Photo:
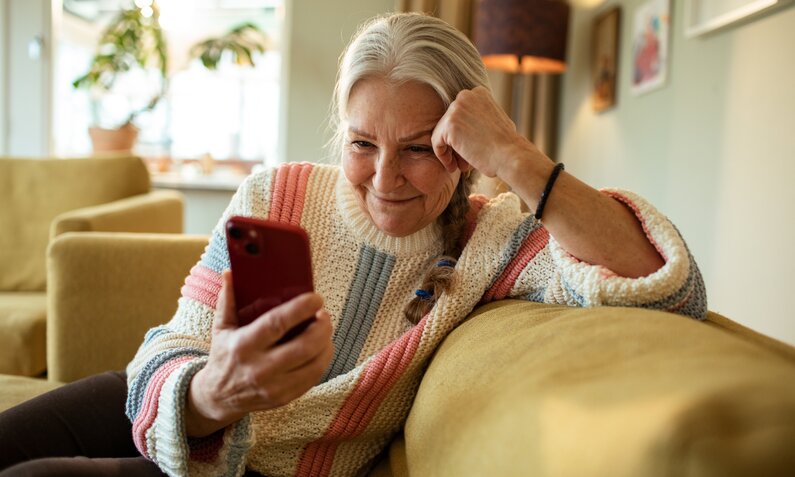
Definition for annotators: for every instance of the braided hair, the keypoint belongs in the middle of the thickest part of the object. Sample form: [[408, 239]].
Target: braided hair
[[439, 276]]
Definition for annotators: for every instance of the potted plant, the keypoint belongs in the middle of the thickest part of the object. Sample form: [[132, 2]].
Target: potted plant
[[241, 41], [238, 45], [134, 39]]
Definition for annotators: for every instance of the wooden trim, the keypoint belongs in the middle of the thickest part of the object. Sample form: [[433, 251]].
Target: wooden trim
[[423, 6], [544, 133], [457, 13]]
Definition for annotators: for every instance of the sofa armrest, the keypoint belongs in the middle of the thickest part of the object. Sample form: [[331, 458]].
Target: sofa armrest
[[530, 389], [158, 211], [105, 290]]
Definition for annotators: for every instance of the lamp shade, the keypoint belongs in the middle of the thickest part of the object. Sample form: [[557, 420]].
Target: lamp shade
[[527, 36]]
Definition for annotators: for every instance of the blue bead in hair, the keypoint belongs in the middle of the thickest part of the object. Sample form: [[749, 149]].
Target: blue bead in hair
[[423, 294]]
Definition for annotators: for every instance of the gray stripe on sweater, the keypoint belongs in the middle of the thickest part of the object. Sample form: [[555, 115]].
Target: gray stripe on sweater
[[137, 388], [367, 289], [508, 254]]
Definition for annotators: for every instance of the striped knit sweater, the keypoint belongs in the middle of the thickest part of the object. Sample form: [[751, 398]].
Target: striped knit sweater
[[366, 278]]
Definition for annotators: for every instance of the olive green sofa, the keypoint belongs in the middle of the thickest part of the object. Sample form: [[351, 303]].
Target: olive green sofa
[[520, 389], [43, 198]]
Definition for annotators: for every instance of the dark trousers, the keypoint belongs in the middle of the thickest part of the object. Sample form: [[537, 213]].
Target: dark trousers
[[76, 430]]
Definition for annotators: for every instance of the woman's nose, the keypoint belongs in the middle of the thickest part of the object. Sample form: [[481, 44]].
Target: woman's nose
[[388, 175]]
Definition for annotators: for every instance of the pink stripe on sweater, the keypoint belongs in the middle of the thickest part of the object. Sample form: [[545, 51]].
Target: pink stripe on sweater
[[300, 194], [533, 244], [289, 190], [146, 416], [277, 190], [202, 285], [211, 276], [676, 306], [361, 405]]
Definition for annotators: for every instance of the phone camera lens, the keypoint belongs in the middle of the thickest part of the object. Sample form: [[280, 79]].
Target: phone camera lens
[[235, 233], [252, 248]]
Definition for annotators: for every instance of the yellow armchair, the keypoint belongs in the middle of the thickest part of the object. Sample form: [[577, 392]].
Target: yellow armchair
[[42, 198], [105, 291], [158, 211]]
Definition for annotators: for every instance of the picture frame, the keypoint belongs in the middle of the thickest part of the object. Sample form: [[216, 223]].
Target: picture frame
[[605, 58], [707, 16], [650, 46]]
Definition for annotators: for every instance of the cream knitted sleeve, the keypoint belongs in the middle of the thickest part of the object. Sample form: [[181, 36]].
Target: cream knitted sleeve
[[541, 270], [159, 376]]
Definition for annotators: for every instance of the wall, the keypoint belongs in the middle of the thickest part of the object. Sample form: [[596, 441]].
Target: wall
[[314, 36], [28, 90], [3, 73], [714, 149]]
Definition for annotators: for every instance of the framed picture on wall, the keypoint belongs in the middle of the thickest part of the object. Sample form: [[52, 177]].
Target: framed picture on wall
[[604, 62], [650, 31], [705, 16]]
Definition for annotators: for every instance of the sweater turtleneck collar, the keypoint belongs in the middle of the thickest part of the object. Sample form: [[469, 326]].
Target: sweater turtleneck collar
[[423, 240]]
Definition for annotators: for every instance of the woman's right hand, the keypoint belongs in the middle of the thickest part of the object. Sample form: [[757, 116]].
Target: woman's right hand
[[248, 371]]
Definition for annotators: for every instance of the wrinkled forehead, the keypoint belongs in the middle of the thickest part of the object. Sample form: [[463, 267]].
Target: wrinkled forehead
[[403, 106]]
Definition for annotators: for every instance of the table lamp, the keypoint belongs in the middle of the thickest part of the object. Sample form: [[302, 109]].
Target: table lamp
[[522, 36]]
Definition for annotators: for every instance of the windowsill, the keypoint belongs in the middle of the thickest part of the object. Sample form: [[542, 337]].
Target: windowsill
[[192, 174], [219, 182]]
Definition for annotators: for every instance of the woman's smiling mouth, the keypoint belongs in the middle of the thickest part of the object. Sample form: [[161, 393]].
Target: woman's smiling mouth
[[391, 201]]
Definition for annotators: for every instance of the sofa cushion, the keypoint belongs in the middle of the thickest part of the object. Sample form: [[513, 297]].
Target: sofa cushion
[[34, 191], [17, 389], [23, 325], [530, 389]]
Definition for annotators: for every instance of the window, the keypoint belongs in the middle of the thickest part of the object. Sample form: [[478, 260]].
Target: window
[[229, 113]]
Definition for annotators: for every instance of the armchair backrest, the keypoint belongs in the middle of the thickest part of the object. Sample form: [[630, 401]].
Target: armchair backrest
[[34, 191]]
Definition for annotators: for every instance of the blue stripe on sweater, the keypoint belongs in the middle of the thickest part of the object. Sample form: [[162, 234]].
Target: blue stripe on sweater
[[137, 389], [508, 254], [536, 295], [579, 299], [696, 304], [366, 291], [215, 256], [238, 449], [155, 332]]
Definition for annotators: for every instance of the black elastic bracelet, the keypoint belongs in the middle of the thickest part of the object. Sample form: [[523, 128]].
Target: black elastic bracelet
[[547, 189]]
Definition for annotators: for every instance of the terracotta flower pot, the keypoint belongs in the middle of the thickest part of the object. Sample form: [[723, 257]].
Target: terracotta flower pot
[[107, 140]]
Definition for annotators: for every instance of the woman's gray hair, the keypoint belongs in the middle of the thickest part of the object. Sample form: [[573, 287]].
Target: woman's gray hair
[[404, 47], [407, 47]]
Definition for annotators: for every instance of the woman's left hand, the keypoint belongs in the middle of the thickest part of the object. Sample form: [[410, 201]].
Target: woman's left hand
[[476, 132], [595, 228]]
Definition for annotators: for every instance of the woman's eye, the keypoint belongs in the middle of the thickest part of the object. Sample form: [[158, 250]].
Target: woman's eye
[[416, 149], [362, 144]]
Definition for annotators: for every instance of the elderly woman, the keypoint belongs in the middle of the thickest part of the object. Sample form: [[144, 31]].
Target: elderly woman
[[402, 254]]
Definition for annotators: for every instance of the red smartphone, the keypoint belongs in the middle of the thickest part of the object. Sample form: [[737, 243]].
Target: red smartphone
[[271, 264]]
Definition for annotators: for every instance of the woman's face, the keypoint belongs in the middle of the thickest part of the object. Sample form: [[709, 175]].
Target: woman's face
[[388, 158]]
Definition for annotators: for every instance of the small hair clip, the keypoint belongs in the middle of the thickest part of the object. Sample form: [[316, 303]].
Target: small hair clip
[[444, 263], [424, 294]]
